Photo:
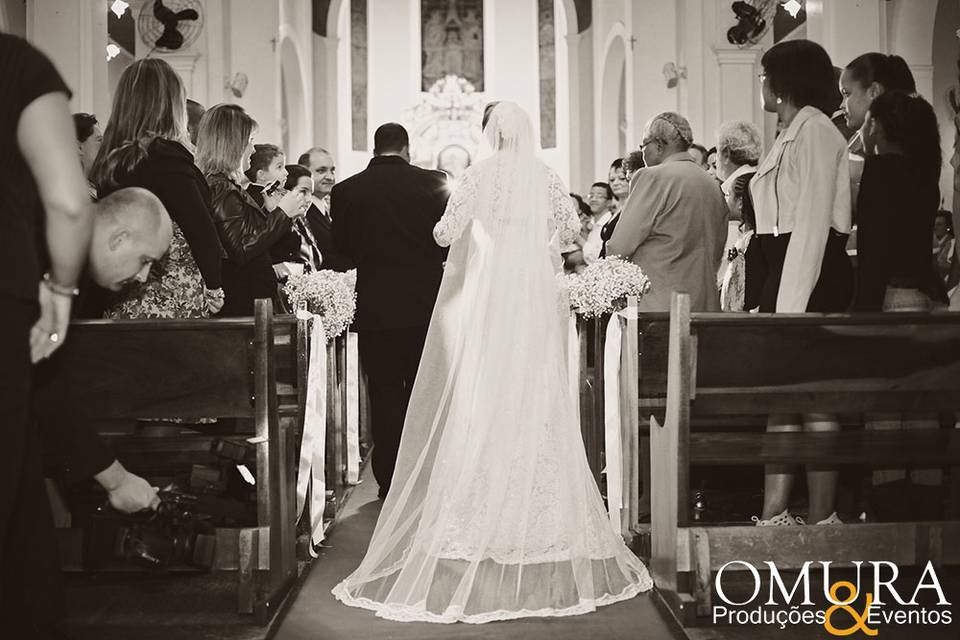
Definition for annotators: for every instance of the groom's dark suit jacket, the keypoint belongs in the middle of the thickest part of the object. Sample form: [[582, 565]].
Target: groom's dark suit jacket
[[383, 221]]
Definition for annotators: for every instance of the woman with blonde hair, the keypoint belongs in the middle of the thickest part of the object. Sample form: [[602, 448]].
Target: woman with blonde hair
[[146, 145], [247, 231]]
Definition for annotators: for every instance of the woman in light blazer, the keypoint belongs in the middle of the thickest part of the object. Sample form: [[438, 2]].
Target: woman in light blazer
[[801, 193]]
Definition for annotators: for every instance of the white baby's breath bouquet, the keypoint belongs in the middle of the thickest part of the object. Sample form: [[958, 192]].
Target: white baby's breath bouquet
[[603, 287], [329, 294]]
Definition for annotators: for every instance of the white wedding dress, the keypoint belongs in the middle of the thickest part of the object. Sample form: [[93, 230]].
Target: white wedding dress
[[493, 513]]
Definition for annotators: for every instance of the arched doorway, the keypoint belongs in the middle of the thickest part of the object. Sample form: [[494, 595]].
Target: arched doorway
[[613, 103], [295, 134]]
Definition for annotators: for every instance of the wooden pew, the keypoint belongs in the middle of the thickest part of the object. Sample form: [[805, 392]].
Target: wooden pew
[[734, 364], [247, 372]]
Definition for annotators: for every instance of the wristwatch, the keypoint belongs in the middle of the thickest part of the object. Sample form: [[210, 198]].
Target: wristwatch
[[59, 289]]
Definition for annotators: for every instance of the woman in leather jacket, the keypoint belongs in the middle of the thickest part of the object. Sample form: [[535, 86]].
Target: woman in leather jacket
[[247, 231]]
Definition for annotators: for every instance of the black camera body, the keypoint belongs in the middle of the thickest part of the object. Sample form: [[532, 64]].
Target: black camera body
[[750, 24], [174, 534]]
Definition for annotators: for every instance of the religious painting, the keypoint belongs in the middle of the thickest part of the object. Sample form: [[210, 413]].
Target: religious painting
[[358, 67], [452, 41], [548, 75]]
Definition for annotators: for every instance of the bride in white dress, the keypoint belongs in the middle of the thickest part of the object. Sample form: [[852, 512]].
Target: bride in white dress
[[493, 513]]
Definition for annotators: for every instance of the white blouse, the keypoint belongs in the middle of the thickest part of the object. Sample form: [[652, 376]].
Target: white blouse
[[802, 187]]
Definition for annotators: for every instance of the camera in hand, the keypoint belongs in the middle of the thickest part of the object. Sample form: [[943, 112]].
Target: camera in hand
[[272, 188], [175, 534]]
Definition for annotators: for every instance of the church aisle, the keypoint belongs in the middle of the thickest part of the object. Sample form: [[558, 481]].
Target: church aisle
[[315, 614]]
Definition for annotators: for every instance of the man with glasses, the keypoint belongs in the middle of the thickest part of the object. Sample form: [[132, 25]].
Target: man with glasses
[[674, 222]]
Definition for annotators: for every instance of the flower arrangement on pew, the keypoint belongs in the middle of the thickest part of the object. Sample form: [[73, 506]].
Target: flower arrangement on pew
[[604, 286], [329, 294]]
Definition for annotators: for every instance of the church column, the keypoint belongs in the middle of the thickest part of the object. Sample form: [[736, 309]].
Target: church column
[[74, 36], [326, 112], [739, 87], [580, 56]]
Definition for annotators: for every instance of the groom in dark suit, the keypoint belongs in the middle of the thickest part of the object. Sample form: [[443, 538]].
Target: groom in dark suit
[[383, 221]]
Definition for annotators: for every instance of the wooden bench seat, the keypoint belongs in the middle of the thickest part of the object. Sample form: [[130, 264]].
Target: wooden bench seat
[[250, 374], [923, 448], [715, 368]]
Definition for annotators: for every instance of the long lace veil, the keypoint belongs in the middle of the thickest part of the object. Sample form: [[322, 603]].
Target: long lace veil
[[481, 522]]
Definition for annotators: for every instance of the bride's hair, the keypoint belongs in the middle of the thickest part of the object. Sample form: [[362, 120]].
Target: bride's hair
[[487, 110]]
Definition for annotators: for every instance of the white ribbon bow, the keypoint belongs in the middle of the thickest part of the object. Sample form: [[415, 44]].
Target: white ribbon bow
[[311, 473], [611, 418]]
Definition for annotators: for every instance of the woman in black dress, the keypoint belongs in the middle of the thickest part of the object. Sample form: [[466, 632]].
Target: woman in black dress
[[146, 144], [897, 205], [45, 230], [898, 202]]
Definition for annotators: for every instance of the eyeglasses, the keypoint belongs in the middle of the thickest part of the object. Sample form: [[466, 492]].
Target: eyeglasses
[[648, 142]]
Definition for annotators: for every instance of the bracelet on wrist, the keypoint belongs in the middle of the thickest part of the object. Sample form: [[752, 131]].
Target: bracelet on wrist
[[59, 289]]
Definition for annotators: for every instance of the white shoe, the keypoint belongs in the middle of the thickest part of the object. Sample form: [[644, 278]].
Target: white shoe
[[780, 520], [831, 519]]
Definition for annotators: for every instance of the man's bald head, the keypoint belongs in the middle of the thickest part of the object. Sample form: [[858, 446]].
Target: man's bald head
[[132, 230]]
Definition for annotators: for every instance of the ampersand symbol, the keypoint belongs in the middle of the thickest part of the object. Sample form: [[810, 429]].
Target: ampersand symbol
[[859, 619]]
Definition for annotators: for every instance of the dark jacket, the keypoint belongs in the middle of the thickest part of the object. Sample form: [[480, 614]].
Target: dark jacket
[[322, 229], [287, 248], [73, 449], [169, 173], [247, 233], [383, 221], [896, 209]]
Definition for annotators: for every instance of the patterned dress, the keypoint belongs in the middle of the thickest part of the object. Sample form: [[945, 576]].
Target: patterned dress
[[733, 274], [174, 288]]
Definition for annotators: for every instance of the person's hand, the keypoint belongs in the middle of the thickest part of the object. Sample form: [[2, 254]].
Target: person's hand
[[50, 330], [292, 204], [284, 270], [126, 491], [271, 200], [214, 299]]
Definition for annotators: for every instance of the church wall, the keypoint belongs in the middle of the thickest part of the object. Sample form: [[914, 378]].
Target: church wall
[[847, 29], [394, 60], [295, 31], [655, 26], [512, 54], [348, 161], [253, 49], [74, 36], [560, 158], [581, 110]]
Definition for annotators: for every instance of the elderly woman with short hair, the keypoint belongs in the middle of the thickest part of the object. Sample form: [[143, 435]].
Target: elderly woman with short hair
[[738, 151]]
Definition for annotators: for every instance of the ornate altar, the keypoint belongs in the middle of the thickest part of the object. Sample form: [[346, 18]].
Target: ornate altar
[[445, 126]]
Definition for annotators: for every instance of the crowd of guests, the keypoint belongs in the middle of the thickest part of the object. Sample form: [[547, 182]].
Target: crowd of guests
[[857, 151], [243, 219], [166, 210]]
